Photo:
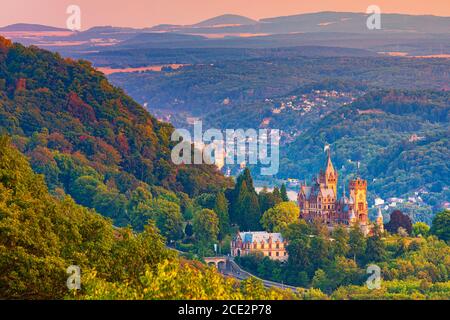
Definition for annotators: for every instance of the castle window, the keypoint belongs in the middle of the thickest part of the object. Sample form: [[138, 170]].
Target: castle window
[[270, 254], [278, 246], [278, 254], [255, 246]]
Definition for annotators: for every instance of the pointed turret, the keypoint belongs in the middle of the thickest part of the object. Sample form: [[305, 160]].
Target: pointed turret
[[331, 175], [352, 217], [379, 220]]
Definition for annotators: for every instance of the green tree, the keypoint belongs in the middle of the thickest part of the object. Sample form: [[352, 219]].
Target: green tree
[[283, 193], [420, 229], [320, 281], [247, 209], [267, 200], [441, 225], [221, 209], [189, 230], [168, 218], [279, 217], [206, 226], [244, 203], [341, 238], [357, 243], [375, 249], [343, 271], [319, 251]]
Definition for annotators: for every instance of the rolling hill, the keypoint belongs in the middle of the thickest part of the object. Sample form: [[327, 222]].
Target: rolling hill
[[225, 19], [88, 138]]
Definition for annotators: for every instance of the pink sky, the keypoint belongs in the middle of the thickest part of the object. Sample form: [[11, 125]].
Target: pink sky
[[145, 13]]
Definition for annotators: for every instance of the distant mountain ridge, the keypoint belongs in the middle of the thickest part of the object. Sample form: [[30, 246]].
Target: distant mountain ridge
[[415, 35], [326, 21], [319, 22], [29, 27], [225, 19]]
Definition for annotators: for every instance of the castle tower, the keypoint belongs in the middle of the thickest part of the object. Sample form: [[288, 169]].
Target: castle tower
[[379, 221], [358, 193], [331, 175]]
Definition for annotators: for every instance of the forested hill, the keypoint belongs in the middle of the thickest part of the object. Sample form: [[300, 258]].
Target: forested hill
[[401, 139], [87, 137]]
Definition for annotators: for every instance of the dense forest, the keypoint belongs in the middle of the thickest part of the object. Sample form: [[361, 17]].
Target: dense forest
[[41, 236], [88, 138]]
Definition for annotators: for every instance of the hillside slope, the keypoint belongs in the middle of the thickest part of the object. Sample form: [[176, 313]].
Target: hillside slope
[[41, 236], [83, 133]]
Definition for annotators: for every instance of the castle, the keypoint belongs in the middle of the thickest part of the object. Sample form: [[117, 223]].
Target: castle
[[320, 201]]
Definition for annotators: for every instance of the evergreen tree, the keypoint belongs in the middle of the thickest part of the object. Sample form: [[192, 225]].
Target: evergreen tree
[[267, 200], [277, 195], [244, 204], [283, 193], [189, 230], [221, 209]]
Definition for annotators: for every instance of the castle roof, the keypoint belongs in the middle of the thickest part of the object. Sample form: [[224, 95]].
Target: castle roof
[[260, 236], [306, 191], [330, 168]]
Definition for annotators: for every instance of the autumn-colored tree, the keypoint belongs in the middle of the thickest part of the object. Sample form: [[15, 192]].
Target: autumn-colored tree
[[399, 220]]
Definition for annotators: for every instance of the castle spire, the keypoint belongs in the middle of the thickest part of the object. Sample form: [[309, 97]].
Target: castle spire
[[330, 167], [379, 220], [343, 189], [330, 176], [358, 164]]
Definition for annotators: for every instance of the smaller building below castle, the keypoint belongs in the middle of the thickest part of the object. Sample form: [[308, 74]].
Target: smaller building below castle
[[271, 245]]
